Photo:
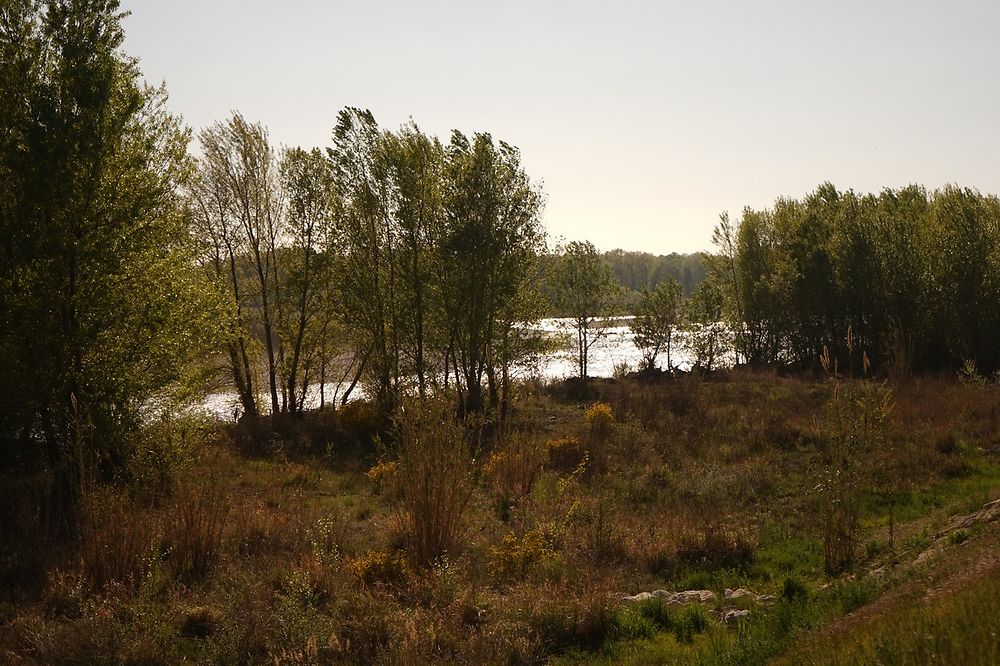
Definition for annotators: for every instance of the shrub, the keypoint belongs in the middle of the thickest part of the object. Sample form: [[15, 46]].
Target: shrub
[[168, 447], [794, 590], [195, 536], [436, 479], [116, 541], [858, 419], [64, 595], [599, 418], [200, 622], [379, 567], [384, 475], [361, 421], [297, 617], [561, 619], [516, 556], [565, 453], [716, 549], [513, 469]]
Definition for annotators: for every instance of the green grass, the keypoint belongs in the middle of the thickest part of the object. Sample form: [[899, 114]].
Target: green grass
[[960, 628]]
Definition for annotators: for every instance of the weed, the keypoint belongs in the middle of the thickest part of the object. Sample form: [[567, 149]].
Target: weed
[[437, 480], [194, 537], [565, 453], [599, 418]]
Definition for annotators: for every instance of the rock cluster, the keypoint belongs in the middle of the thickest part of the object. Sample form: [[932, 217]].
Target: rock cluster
[[685, 597], [696, 596]]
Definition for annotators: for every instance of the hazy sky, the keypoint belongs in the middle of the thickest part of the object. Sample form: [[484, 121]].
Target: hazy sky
[[643, 120]]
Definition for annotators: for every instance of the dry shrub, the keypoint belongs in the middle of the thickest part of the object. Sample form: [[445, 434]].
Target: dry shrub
[[116, 539], [515, 556], [435, 635], [513, 469], [560, 619], [436, 479], [716, 548], [200, 622], [64, 595], [368, 621], [262, 531], [379, 567], [565, 453], [29, 522], [384, 476], [194, 539]]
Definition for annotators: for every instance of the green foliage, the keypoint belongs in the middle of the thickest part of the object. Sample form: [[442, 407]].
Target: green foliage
[[708, 338], [914, 275], [657, 317], [584, 289], [642, 271], [439, 258], [103, 313]]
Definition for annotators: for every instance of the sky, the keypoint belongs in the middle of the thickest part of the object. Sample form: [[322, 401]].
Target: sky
[[643, 121]]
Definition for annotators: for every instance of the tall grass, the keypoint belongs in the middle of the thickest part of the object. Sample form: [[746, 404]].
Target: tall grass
[[436, 479], [196, 529]]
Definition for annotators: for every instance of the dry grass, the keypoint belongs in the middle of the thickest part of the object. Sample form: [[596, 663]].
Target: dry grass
[[437, 480], [265, 559]]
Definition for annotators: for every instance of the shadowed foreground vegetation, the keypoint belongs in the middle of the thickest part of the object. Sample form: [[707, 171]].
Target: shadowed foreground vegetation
[[454, 544]]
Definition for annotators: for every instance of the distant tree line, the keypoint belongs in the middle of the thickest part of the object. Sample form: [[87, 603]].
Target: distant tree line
[[905, 280], [637, 271]]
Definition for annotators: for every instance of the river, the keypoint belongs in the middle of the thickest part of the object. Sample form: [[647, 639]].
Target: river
[[614, 349]]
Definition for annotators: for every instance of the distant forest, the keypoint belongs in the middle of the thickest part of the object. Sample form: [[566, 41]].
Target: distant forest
[[637, 271]]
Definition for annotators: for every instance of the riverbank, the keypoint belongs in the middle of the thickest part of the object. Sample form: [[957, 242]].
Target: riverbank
[[296, 547]]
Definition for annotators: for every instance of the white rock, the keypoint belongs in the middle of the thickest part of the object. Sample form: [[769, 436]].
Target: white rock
[[738, 593], [735, 616], [694, 596]]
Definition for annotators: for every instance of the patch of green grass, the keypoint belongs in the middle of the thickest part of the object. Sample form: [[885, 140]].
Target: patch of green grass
[[961, 628], [963, 495]]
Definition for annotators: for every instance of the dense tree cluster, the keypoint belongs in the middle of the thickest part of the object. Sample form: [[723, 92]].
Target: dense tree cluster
[[418, 259], [907, 279], [101, 311]]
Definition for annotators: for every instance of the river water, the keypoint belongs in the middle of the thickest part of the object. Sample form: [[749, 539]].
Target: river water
[[614, 349]]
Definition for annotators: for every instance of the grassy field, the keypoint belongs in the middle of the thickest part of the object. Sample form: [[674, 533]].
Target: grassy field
[[322, 545]]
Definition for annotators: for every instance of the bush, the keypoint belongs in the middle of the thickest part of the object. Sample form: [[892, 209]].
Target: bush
[[436, 479], [794, 590], [116, 541], [194, 539], [516, 556], [384, 476], [380, 568], [560, 620], [361, 422], [513, 469], [716, 549], [200, 622], [599, 418], [565, 453]]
